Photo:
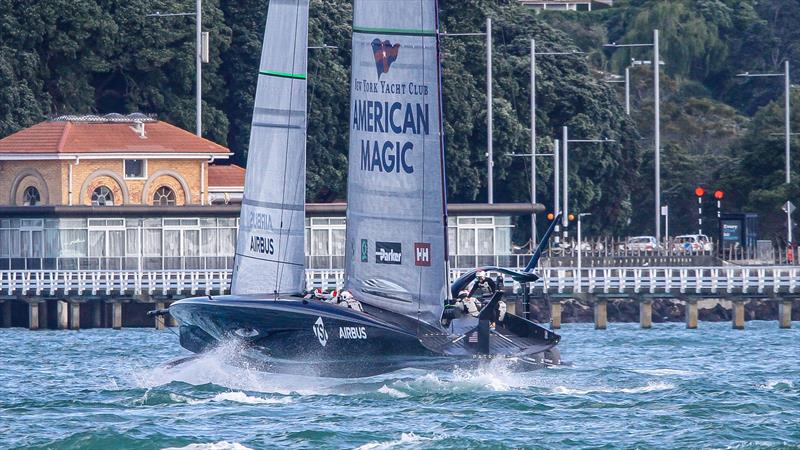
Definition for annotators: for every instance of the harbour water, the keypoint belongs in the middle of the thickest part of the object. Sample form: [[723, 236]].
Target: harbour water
[[662, 388]]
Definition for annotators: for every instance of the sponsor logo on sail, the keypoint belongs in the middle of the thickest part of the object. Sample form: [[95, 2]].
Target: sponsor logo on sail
[[263, 245], [385, 54], [388, 253], [422, 254], [319, 331], [364, 250], [352, 333]]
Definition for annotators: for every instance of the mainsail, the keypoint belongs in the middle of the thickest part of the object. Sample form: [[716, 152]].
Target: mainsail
[[270, 245], [396, 234]]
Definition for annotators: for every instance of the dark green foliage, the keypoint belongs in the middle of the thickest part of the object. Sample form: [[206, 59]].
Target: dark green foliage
[[88, 56]]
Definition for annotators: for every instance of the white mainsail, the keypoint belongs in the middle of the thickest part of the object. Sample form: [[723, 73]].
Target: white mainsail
[[270, 245], [396, 234]]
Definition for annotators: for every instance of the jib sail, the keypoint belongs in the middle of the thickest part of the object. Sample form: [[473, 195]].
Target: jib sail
[[270, 245], [396, 235]]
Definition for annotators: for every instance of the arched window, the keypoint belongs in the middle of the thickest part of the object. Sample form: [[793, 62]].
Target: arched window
[[102, 196], [164, 196], [31, 197]]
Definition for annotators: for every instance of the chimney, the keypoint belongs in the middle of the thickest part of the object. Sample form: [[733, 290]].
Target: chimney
[[138, 127]]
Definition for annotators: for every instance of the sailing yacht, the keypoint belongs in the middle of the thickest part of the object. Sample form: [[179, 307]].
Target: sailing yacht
[[396, 251]]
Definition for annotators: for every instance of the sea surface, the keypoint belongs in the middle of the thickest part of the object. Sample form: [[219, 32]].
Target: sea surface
[[667, 387]]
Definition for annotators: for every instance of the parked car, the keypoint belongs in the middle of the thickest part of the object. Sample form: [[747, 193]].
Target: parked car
[[642, 244], [692, 243]]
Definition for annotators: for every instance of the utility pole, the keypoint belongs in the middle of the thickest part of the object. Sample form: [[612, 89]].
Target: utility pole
[[657, 128], [199, 51], [199, 68], [489, 114], [565, 154], [534, 234], [657, 124], [787, 86]]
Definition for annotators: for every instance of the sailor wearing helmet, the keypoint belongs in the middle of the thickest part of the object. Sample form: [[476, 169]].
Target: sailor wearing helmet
[[346, 299], [482, 285]]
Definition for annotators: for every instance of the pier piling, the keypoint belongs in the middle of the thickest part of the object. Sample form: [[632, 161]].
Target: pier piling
[[75, 316], [62, 313], [97, 314], [7, 314], [555, 315], [43, 322], [159, 319], [33, 316], [691, 314], [738, 315], [785, 314], [600, 314], [116, 315], [646, 314]]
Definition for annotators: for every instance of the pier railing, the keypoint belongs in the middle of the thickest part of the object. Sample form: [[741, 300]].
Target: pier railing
[[724, 281]]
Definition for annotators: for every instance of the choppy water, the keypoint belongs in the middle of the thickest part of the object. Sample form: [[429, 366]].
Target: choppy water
[[662, 388]]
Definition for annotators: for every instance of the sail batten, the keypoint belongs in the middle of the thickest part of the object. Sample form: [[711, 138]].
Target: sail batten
[[270, 248], [396, 241]]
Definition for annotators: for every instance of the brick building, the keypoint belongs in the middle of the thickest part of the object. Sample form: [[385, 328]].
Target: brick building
[[108, 160]]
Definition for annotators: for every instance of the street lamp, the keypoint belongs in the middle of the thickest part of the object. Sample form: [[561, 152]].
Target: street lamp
[[533, 154], [533, 187], [565, 155], [489, 111], [199, 53], [657, 127], [579, 238], [787, 130]]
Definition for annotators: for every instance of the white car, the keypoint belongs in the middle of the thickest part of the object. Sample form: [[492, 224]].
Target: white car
[[642, 244]]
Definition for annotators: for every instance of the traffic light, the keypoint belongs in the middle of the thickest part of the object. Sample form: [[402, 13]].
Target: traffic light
[[551, 216], [718, 194], [698, 191]]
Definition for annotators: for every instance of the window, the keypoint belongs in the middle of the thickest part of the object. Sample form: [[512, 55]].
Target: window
[[164, 196], [135, 168], [102, 196], [31, 197]]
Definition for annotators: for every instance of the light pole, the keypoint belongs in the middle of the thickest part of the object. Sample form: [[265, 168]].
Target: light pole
[[565, 155], [657, 124], [489, 111], [198, 18], [579, 238], [534, 53], [533, 186], [787, 127]]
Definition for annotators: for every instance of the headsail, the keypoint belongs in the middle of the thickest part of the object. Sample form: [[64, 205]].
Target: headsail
[[270, 246], [396, 233]]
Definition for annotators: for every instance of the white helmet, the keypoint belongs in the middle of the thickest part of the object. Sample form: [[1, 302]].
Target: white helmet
[[463, 293], [346, 295], [480, 274]]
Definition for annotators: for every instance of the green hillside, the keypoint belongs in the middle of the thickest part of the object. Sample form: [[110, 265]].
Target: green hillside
[[88, 56]]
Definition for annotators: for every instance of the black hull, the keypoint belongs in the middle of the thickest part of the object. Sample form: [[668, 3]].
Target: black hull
[[310, 337]]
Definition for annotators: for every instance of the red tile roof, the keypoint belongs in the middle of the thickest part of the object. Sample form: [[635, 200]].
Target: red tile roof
[[229, 175], [94, 137]]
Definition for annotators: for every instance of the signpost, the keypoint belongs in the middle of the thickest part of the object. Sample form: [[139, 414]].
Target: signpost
[[789, 208]]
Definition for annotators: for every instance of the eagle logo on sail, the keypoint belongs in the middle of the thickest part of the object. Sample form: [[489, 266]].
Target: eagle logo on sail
[[385, 54]]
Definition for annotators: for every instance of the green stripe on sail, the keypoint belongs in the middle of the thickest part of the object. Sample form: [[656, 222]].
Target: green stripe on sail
[[397, 31], [299, 76]]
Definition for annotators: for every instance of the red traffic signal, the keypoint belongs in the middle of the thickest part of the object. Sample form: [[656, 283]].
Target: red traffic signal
[[718, 194], [698, 191]]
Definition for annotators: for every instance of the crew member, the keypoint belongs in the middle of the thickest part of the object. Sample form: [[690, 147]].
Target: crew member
[[346, 299], [482, 285]]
